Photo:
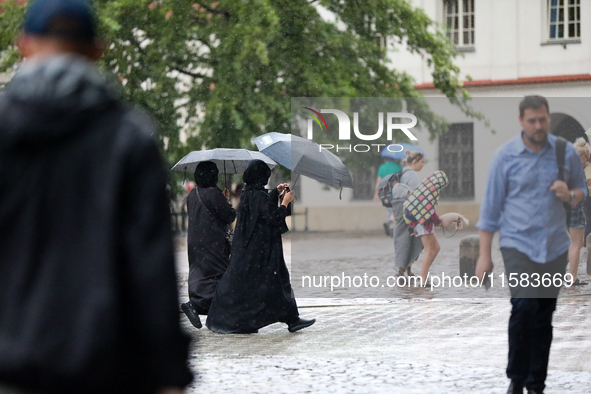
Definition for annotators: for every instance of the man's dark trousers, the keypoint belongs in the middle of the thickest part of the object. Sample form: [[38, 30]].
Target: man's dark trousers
[[530, 324]]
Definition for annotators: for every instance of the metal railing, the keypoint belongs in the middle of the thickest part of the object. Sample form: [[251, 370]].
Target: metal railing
[[180, 221], [293, 221]]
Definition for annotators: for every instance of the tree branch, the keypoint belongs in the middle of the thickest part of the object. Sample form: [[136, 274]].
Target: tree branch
[[191, 73]]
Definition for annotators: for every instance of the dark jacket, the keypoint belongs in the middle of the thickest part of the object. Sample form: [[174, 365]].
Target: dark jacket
[[208, 247], [88, 297]]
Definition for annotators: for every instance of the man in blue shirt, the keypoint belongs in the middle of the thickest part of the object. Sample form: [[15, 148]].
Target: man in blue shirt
[[524, 201]]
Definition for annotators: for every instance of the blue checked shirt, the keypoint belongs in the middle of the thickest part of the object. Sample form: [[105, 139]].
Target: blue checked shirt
[[519, 204]]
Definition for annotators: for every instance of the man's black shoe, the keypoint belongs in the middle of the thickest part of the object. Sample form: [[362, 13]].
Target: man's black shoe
[[515, 388], [299, 324], [192, 315], [534, 392]]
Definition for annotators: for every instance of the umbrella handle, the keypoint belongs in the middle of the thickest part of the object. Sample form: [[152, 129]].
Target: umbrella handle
[[226, 183], [225, 176]]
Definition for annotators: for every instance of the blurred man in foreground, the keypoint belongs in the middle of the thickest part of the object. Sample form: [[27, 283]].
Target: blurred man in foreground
[[88, 297], [533, 180]]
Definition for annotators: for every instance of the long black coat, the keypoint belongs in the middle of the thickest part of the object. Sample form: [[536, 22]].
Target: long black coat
[[255, 291], [209, 249]]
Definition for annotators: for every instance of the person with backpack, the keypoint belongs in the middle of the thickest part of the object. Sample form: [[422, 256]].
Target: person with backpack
[[533, 179], [388, 168], [406, 247]]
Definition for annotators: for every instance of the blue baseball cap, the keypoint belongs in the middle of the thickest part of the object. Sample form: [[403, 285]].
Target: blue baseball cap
[[71, 19]]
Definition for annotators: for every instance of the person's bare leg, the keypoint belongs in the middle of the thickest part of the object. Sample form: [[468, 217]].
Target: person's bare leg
[[432, 248], [574, 251]]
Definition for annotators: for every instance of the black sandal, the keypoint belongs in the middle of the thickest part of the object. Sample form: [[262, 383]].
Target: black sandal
[[578, 282]]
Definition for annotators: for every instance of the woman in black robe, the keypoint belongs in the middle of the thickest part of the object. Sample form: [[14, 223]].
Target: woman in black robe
[[255, 291], [210, 213]]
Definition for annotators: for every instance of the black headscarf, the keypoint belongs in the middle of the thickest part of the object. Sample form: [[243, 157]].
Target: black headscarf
[[256, 175], [253, 198], [206, 174]]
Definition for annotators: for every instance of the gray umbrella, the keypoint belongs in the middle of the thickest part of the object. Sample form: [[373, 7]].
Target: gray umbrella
[[305, 157], [228, 161]]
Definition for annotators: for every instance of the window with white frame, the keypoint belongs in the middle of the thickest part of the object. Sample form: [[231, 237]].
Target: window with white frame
[[459, 19], [370, 27], [564, 19]]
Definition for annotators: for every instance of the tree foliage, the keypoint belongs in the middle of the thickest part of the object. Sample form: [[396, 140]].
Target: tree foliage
[[224, 71]]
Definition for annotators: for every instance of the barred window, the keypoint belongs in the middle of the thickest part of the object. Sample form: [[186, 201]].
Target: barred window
[[456, 159], [459, 19], [564, 19]]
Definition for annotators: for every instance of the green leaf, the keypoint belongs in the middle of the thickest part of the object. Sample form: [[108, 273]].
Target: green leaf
[[221, 72]]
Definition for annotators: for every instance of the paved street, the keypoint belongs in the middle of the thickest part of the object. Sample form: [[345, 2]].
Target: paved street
[[416, 343]]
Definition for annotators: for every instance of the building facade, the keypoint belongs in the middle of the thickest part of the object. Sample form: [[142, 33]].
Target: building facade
[[509, 49]]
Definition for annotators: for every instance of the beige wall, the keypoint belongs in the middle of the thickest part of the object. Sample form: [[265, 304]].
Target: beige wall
[[358, 217], [469, 209], [366, 217]]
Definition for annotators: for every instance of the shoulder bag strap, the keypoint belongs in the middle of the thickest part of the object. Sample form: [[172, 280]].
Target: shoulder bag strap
[[560, 159]]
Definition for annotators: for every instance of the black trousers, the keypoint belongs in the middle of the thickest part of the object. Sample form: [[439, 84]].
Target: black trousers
[[530, 324]]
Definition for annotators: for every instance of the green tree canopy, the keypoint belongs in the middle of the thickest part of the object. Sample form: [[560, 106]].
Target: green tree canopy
[[228, 68]]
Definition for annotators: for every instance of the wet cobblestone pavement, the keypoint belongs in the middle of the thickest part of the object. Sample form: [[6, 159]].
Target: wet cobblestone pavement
[[365, 255], [381, 345]]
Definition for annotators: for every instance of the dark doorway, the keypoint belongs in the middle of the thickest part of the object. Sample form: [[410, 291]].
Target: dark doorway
[[567, 127]]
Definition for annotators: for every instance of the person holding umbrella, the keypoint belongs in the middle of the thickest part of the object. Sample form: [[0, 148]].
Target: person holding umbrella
[[208, 246], [256, 291]]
